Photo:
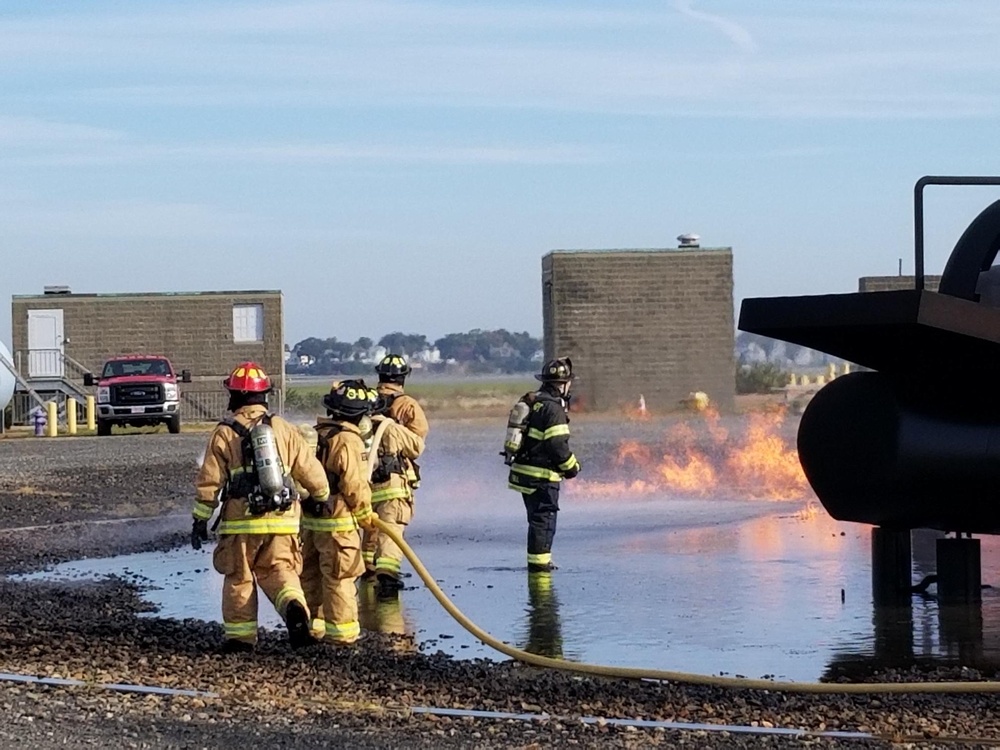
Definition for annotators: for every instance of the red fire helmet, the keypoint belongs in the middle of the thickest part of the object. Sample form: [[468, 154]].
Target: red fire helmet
[[248, 377]]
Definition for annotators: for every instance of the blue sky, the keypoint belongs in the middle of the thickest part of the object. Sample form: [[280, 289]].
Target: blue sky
[[405, 165]]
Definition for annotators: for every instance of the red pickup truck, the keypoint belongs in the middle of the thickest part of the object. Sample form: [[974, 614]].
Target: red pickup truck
[[137, 390]]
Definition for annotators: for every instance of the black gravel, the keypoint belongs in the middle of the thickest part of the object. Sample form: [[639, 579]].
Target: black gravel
[[103, 633]]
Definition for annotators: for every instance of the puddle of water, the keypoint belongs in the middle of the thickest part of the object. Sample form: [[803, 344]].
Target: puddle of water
[[701, 585], [753, 597]]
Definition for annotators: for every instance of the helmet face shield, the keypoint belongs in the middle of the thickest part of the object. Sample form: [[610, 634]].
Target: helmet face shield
[[558, 370]]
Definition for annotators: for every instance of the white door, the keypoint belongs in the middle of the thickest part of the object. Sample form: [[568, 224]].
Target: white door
[[45, 343]]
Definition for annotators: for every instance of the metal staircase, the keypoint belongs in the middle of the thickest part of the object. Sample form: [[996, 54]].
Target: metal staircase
[[42, 375]]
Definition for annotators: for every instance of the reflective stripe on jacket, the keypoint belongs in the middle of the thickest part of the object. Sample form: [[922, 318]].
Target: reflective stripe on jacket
[[344, 461], [545, 454]]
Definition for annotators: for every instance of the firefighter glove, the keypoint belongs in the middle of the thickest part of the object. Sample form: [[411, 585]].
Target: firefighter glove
[[366, 519], [199, 533], [570, 473], [313, 507]]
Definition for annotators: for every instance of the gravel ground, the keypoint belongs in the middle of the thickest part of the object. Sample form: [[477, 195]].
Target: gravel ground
[[96, 632]]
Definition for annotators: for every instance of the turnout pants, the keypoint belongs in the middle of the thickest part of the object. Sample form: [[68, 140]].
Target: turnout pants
[[270, 561], [331, 562], [382, 555], [542, 505]]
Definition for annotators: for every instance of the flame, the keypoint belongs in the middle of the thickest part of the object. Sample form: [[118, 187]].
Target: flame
[[763, 462], [694, 473], [700, 457]]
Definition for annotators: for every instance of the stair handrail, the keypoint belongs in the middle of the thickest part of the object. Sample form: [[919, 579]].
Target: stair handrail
[[7, 364], [83, 369]]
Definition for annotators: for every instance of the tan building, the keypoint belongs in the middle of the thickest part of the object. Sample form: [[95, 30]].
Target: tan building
[[652, 323], [58, 336]]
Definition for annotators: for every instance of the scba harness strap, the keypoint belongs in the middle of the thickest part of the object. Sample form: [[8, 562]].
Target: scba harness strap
[[387, 401], [323, 453], [245, 482], [388, 464]]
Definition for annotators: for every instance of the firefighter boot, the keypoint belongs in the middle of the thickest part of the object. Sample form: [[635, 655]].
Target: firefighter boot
[[233, 646], [298, 626], [388, 586], [541, 567]]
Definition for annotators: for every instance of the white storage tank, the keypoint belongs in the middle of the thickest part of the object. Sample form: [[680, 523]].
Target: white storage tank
[[6, 377]]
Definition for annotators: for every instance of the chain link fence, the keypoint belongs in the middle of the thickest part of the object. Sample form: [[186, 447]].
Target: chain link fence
[[196, 406]]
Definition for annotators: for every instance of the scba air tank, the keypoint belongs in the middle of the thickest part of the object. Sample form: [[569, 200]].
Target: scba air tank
[[270, 476], [516, 423]]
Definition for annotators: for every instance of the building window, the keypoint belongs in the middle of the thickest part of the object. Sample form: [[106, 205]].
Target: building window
[[248, 323]]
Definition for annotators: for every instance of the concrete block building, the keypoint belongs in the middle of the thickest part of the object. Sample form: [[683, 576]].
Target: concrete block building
[[656, 323], [59, 335]]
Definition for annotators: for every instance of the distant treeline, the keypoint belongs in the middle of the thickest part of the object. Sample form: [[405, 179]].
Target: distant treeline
[[476, 351]]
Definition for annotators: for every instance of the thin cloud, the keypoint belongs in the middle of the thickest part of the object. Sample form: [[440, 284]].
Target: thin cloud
[[732, 30], [344, 55], [126, 219], [31, 131], [86, 153]]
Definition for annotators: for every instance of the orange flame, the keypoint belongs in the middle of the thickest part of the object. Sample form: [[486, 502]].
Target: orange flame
[[763, 465], [702, 457]]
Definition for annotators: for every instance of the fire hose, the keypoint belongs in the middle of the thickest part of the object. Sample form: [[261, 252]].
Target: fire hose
[[690, 678]]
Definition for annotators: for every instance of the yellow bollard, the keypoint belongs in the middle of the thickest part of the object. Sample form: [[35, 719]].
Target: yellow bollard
[[91, 414], [821, 380], [831, 371], [71, 416], [793, 379], [846, 368], [51, 419]]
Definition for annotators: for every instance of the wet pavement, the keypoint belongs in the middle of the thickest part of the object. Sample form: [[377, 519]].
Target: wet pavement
[[656, 579]]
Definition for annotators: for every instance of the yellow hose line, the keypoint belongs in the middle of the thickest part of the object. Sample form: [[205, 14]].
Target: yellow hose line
[[601, 670]]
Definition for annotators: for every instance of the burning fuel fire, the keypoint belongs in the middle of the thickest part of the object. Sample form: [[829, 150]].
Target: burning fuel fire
[[700, 457]]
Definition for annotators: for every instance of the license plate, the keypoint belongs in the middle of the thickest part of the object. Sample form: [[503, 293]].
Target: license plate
[[138, 409]]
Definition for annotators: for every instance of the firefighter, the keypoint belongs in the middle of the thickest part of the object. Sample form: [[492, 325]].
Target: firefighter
[[403, 409], [331, 541], [250, 465], [392, 496], [543, 458]]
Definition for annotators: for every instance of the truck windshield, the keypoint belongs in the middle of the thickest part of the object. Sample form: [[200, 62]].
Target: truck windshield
[[123, 367]]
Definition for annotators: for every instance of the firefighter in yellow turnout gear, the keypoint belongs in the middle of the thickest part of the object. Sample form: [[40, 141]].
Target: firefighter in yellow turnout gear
[[331, 539], [250, 463], [397, 474]]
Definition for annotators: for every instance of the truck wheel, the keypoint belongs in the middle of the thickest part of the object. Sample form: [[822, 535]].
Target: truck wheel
[[174, 424], [103, 428]]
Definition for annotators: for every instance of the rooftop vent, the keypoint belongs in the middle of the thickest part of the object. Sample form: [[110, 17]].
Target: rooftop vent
[[56, 290], [689, 240]]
